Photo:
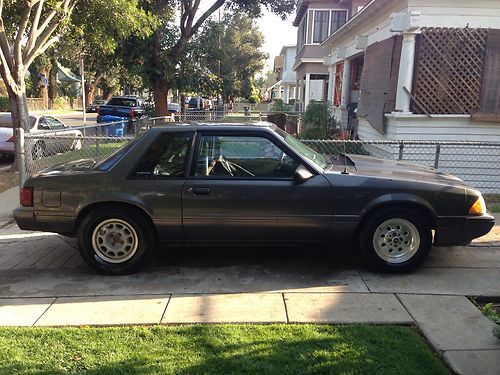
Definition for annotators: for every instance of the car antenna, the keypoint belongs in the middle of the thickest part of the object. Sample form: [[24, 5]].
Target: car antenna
[[345, 160]]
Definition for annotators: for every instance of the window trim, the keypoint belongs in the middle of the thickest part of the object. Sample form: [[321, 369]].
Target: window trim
[[312, 43], [262, 134]]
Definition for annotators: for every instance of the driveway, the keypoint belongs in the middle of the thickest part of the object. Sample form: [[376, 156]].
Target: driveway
[[43, 282]]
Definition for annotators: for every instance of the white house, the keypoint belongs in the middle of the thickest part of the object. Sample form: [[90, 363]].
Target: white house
[[419, 70], [283, 65]]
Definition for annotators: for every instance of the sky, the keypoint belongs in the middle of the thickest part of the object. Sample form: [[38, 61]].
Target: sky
[[277, 33]]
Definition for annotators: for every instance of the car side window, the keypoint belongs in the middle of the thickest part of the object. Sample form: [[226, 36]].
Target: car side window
[[166, 157], [54, 123], [42, 124], [242, 156]]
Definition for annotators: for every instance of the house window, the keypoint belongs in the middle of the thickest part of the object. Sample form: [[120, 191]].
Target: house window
[[339, 17], [302, 33], [320, 25]]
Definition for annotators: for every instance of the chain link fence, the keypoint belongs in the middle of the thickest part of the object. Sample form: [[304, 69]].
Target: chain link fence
[[477, 163]]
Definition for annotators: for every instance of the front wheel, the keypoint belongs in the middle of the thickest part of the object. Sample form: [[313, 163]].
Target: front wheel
[[395, 240], [113, 242]]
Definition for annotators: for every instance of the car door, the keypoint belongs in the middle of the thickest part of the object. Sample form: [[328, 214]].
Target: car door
[[242, 187], [157, 179]]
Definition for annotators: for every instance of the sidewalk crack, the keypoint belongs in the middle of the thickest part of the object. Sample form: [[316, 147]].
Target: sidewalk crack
[[36, 321], [286, 308]]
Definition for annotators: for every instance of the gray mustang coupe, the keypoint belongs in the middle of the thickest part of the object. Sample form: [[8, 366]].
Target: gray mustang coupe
[[246, 184]]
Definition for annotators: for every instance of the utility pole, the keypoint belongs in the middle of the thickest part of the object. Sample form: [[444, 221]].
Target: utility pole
[[82, 74]]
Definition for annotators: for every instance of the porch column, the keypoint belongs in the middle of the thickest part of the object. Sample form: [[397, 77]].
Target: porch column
[[346, 84], [286, 93], [331, 80], [405, 76], [308, 89], [278, 92]]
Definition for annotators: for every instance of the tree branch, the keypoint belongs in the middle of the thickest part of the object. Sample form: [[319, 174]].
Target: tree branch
[[205, 15], [20, 34], [34, 26], [5, 48]]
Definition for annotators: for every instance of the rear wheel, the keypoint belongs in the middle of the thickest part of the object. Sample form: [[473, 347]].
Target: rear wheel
[[395, 240], [114, 242]]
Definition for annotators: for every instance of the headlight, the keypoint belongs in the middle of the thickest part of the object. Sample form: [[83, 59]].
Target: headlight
[[479, 207]]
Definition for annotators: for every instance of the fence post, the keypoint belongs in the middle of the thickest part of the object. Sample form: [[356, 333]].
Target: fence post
[[21, 157], [436, 157], [97, 141], [401, 148]]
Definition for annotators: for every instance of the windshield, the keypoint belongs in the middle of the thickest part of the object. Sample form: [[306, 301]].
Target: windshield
[[303, 150], [106, 163]]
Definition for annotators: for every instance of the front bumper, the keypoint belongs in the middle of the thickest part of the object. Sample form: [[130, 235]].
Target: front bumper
[[27, 220], [473, 227]]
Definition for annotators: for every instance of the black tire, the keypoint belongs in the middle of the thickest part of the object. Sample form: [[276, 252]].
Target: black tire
[[109, 261], [395, 248]]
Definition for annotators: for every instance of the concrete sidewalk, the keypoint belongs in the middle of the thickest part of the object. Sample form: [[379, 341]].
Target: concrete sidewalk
[[9, 200]]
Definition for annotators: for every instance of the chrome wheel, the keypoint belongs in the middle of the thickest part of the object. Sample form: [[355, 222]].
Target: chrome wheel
[[115, 241], [396, 240]]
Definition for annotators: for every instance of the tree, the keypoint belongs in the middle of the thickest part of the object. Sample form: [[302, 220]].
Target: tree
[[97, 33], [231, 50], [27, 29], [170, 40]]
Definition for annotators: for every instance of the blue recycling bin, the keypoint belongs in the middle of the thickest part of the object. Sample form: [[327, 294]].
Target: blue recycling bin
[[117, 129]]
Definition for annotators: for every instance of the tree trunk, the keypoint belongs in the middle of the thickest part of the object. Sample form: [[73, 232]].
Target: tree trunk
[[183, 103], [52, 83], [160, 92], [19, 117]]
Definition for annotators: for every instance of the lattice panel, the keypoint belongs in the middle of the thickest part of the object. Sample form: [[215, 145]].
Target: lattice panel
[[449, 70]]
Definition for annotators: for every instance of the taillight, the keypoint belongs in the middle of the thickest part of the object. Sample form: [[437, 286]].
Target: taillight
[[11, 139], [132, 114], [26, 196]]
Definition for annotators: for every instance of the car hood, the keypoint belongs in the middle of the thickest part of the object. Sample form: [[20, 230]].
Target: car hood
[[394, 169]]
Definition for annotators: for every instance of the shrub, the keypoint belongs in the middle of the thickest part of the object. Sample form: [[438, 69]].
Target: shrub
[[318, 122], [4, 104], [278, 105], [254, 99]]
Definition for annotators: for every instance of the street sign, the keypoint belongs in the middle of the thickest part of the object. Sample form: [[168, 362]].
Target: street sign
[[45, 81]]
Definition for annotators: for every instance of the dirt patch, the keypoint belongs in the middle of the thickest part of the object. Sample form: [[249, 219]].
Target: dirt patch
[[8, 180]]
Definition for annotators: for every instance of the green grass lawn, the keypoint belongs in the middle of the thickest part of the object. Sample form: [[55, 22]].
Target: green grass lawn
[[219, 349]]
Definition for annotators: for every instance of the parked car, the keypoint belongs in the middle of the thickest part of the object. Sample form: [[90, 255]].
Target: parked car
[[174, 108], [248, 184], [46, 144], [199, 103], [131, 107], [92, 108]]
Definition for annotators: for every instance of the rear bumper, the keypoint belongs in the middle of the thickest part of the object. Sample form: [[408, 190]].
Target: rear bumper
[[473, 227], [27, 220]]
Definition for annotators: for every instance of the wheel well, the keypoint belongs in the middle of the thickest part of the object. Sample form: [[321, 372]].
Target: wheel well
[[139, 210], [419, 209]]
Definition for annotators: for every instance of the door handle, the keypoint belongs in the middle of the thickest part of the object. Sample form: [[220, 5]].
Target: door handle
[[199, 190]]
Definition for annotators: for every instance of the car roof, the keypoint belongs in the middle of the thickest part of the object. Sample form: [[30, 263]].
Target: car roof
[[236, 126]]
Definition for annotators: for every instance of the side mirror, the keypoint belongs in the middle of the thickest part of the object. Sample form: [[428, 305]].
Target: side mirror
[[302, 174]]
